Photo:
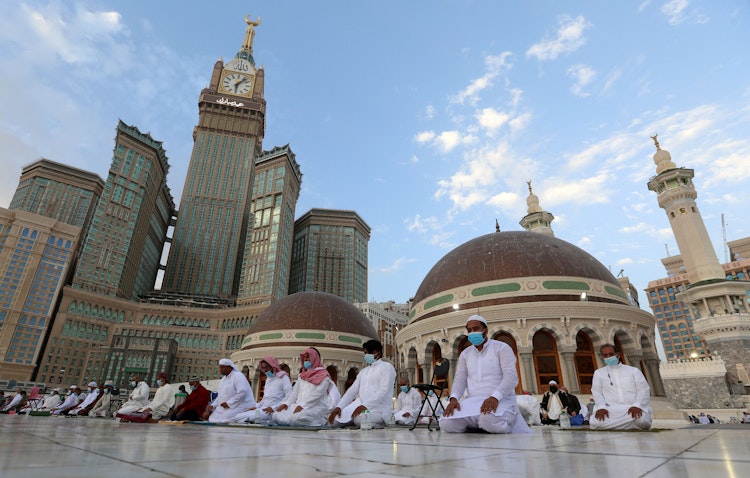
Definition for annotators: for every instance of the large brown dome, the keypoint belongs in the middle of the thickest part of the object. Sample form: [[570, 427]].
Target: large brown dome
[[313, 311], [508, 255]]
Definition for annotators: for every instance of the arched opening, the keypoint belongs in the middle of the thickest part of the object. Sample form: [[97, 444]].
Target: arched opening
[[621, 338], [334, 373], [437, 358], [351, 376], [585, 361], [508, 339], [546, 360]]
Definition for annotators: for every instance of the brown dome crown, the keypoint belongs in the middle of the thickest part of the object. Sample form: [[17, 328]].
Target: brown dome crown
[[507, 255], [314, 311]]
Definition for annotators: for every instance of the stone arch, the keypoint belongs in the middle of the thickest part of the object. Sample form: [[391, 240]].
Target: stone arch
[[596, 336], [545, 352], [509, 338], [550, 329], [351, 376], [333, 371], [412, 366], [623, 342]]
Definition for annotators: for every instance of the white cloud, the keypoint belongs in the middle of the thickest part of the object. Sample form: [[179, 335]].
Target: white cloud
[[612, 78], [624, 261], [582, 76], [448, 140], [396, 265], [429, 112], [424, 137], [569, 38], [584, 242], [586, 191], [505, 201], [674, 10], [491, 119], [422, 225], [494, 66]]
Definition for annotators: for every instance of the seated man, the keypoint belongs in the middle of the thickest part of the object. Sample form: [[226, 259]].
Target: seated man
[[487, 372], [529, 408], [432, 401], [195, 403], [278, 387], [574, 408], [235, 395], [621, 395], [85, 405], [17, 402], [554, 402], [372, 390], [52, 401], [163, 399], [407, 404], [102, 406], [70, 402], [309, 403], [138, 397]]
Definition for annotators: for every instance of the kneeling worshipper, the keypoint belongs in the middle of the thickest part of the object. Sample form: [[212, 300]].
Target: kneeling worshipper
[[102, 407], [309, 403], [621, 395], [487, 372], [138, 397], [529, 408], [162, 402], [371, 391], [70, 402], [195, 404], [278, 386], [408, 403], [18, 401], [235, 395], [88, 402]]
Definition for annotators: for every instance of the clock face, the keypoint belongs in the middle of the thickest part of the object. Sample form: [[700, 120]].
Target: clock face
[[237, 84]]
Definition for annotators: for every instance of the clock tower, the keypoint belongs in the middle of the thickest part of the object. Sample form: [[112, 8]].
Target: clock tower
[[208, 242]]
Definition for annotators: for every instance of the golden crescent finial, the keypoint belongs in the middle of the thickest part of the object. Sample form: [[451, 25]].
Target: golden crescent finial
[[250, 22], [656, 142], [529, 184]]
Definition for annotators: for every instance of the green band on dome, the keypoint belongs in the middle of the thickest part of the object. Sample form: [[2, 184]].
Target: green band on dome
[[273, 336], [309, 335], [565, 284], [615, 291], [496, 289], [346, 338], [438, 301]]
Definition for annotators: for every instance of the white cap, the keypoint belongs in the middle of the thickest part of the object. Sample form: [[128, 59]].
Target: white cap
[[226, 361], [92, 384], [552, 382], [477, 317], [73, 387]]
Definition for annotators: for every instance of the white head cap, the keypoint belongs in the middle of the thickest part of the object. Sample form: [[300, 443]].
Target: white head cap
[[477, 317], [552, 382]]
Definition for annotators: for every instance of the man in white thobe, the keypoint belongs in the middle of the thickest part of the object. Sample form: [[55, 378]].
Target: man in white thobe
[[163, 399], [235, 395], [16, 402], [277, 387], [529, 407], [486, 371], [71, 401], [407, 404], [51, 402], [101, 409], [138, 397], [309, 404], [88, 400], [621, 395], [372, 390]]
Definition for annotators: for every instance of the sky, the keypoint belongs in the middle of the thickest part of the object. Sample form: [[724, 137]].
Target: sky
[[425, 117]]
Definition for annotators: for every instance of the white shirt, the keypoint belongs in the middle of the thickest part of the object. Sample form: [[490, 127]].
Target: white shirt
[[374, 387], [621, 385], [69, 401], [275, 391], [235, 391], [163, 399], [88, 400], [140, 394], [409, 402], [487, 372], [51, 402]]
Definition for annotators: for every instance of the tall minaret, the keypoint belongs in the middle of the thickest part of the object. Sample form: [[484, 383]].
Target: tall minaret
[[536, 219], [719, 305]]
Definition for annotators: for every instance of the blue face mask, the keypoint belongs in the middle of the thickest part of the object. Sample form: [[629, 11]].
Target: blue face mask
[[269, 374], [476, 338], [404, 388], [612, 361], [193, 387], [307, 364], [369, 358], [159, 383]]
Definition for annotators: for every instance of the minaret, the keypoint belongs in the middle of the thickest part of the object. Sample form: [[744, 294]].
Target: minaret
[[720, 305], [536, 219]]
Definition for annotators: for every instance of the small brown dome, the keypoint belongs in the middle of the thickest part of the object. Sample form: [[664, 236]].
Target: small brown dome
[[507, 255], [313, 311]]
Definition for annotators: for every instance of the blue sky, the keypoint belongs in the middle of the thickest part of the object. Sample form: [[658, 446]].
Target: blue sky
[[425, 117]]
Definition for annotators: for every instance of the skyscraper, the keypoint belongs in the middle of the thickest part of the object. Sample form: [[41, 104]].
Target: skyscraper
[[330, 254], [208, 244], [121, 253]]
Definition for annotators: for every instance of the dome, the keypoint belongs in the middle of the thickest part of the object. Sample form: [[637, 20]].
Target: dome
[[511, 255], [313, 311], [245, 55]]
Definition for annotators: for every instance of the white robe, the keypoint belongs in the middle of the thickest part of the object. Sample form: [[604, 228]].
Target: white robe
[[162, 402], [138, 399], [70, 401], [616, 389], [51, 402], [235, 391], [314, 400], [529, 408], [408, 402], [426, 415], [372, 388], [490, 372], [15, 401], [274, 393], [86, 402]]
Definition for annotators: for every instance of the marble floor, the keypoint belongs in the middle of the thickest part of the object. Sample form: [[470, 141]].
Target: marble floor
[[81, 447]]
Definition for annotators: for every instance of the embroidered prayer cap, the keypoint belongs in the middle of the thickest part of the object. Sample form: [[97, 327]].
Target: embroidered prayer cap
[[477, 317], [92, 384], [73, 387], [194, 378], [109, 383], [552, 382]]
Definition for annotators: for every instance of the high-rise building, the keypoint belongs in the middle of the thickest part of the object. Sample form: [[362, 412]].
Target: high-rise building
[[120, 255], [59, 192], [268, 246], [718, 305], [387, 318], [36, 253], [330, 254], [208, 243]]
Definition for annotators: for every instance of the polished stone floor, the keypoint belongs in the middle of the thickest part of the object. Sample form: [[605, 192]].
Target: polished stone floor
[[81, 447]]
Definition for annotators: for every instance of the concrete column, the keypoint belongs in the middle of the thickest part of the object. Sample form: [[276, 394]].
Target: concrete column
[[569, 372], [657, 385], [527, 370]]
